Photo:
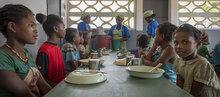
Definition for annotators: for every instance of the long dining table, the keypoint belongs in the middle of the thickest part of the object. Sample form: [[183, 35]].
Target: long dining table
[[119, 84]]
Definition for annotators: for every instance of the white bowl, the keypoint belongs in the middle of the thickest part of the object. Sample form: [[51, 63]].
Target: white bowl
[[85, 77], [143, 71]]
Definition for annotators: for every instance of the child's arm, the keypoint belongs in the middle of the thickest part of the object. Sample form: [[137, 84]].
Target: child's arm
[[52, 84], [167, 54], [72, 65], [148, 58], [196, 88], [43, 85], [13, 84], [180, 81], [139, 52]]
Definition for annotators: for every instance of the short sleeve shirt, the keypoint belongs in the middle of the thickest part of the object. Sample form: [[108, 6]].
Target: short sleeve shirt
[[151, 28], [82, 26], [202, 50], [198, 69], [9, 62]]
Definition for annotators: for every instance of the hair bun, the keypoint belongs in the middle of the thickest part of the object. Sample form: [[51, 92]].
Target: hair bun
[[41, 18]]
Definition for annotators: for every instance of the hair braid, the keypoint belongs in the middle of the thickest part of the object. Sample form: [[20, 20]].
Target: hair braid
[[12, 13]]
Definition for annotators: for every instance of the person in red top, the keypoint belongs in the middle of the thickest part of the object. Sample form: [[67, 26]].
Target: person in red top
[[49, 58]]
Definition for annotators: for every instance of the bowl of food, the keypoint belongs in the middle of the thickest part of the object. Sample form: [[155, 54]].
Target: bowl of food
[[144, 71], [85, 77]]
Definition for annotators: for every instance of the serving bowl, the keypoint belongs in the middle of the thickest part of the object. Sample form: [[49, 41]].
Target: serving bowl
[[143, 71], [85, 77]]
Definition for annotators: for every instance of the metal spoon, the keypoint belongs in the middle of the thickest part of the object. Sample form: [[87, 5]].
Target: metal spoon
[[129, 63], [158, 65]]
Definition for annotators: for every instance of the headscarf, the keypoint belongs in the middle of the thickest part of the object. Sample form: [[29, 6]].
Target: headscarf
[[121, 16], [84, 15], [148, 13]]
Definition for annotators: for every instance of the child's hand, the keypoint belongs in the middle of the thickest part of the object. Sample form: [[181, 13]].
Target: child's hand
[[143, 57], [154, 46]]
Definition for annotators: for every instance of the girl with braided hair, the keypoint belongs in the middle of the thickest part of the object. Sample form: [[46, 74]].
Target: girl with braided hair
[[18, 73]]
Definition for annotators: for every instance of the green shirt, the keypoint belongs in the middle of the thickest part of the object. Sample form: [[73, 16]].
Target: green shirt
[[9, 62], [202, 51]]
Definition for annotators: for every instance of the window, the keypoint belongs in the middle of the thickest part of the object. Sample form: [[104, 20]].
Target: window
[[200, 13], [102, 12]]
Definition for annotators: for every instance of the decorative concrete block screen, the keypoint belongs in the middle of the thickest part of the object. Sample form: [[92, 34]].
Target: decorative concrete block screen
[[200, 13], [103, 12]]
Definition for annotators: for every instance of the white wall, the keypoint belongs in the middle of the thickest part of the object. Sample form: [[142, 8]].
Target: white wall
[[37, 6], [173, 18]]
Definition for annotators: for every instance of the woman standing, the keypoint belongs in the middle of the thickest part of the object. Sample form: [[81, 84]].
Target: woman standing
[[85, 29], [120, 32], [152, 24]]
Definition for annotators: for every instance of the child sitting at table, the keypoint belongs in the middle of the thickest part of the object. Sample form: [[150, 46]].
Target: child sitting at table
[[167, 53], [194, 73], [82, 49], [18, 72], [70, 50], [49, 58], [85, 43], [143, 41], [203, 50], [138, 36]]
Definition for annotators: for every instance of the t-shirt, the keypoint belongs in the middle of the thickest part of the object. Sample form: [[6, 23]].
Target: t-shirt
[[125, 31], [56, 71], [43, 61], [216, 54], [202, 51], [9, 62], [70, 52], [152, 27], [200, 70], [82, 26]]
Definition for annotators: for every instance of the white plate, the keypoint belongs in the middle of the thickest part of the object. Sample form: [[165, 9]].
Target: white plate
[[85, 77], [143, 71]]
